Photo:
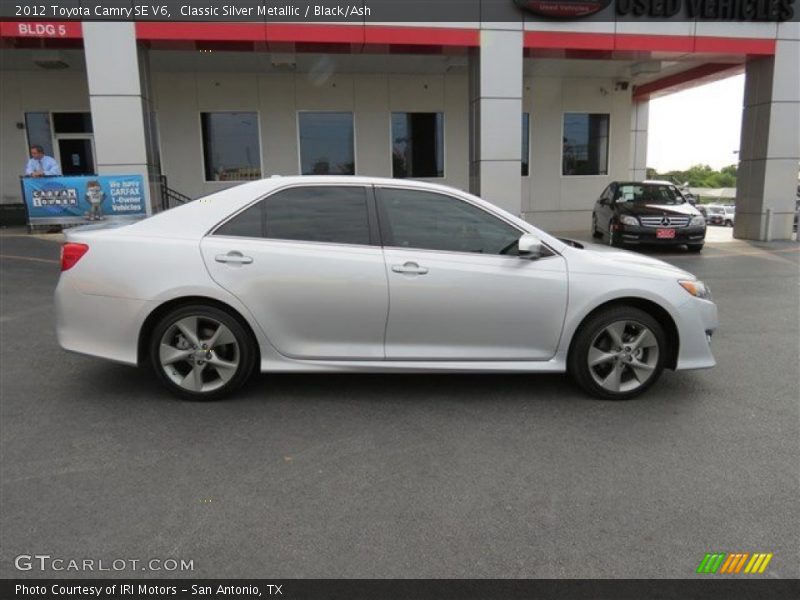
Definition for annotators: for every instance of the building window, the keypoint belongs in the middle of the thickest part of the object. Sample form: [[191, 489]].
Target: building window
[[37, 124], [417, 144], [72, 122], [326, 143], [526, 141], [585, 144], [231, 148]]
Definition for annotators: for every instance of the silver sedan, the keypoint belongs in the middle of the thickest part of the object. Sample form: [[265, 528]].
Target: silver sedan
[[364, 274]]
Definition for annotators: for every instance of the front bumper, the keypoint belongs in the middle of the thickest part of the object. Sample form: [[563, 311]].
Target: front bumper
[[697, 320], [636, 234]]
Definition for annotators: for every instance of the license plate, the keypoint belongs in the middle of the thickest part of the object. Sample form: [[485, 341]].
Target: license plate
[[665, 234]]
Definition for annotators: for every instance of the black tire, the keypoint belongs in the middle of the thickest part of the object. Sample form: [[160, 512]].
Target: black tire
[[242, 350], [613, 238], [595, 233], [578, 359], [694, 247]]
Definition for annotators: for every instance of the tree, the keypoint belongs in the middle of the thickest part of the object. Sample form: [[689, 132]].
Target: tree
[[700, 176]]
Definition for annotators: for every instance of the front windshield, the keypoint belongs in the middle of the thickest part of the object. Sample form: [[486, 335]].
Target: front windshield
[[717, 210], [648, 194]]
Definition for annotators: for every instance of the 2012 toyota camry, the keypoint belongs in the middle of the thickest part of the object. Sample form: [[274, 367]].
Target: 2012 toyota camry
[[364, 274]]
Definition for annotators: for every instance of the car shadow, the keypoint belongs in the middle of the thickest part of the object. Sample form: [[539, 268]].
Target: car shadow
[[111, 383]]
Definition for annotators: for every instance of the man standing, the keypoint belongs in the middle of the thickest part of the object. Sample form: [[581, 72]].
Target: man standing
[[41, 165]]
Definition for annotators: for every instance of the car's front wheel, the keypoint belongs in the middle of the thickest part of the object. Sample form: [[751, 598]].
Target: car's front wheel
[[618, 353], [201, 352], [613, 236], [596, 233]]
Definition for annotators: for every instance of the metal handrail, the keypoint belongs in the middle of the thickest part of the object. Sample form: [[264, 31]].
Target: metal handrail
[[169, 197]]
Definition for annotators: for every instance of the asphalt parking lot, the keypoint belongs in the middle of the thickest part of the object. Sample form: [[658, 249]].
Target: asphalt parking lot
[[407, 475]]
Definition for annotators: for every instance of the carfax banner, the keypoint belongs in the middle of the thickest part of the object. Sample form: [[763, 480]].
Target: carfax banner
[[70, 200]]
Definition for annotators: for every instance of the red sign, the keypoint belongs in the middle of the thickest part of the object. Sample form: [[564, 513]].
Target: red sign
[[42, 29]]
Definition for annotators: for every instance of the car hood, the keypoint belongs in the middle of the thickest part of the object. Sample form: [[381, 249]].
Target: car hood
[[641, 209], [593, 258]]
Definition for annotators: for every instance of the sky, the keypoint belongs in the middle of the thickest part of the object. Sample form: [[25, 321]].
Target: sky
[[700, 125]]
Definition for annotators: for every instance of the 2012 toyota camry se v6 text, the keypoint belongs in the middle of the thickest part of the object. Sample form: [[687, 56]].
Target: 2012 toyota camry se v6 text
[[364, 274]]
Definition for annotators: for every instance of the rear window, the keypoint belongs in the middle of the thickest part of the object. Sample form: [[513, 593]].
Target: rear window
[[336, 215], [332, 214]]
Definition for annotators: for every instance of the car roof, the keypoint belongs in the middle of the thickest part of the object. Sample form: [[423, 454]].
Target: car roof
[[644, 182]]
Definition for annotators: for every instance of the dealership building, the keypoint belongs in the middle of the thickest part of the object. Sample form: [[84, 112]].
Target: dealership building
[[536, 116]]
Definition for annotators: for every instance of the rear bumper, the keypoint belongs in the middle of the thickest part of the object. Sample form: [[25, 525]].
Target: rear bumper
[[629, 234], [102, 326]]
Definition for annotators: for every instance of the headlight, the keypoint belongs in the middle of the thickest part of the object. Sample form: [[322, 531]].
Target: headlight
[[628, 220], [698, 221], [696, 288]]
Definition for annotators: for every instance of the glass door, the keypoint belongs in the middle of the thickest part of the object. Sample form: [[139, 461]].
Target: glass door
[[76, 155]]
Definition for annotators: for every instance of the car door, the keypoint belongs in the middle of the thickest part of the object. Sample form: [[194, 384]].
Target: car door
[[604, 208], [457, 289], [307, 263]]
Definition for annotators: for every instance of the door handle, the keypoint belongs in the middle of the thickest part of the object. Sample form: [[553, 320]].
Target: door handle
[[410, 268], [234, 257]]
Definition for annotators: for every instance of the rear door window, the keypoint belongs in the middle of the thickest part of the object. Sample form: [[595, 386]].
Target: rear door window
[[329, 214]]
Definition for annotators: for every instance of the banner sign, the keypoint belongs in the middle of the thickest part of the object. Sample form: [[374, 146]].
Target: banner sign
[[386, 11], [71, 200]]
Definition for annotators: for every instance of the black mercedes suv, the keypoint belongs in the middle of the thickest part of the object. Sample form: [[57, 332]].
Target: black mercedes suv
[[647, 212]]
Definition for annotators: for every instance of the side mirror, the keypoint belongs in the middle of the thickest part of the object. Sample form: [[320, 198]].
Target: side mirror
[[530, 246]]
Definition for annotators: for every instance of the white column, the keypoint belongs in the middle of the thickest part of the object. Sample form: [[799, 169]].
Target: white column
[[770, 143], [496, 116], [119, 96], [637, 168]]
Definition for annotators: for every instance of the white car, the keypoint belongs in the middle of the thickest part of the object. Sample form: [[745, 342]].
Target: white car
[[730, 215], [309, 274]]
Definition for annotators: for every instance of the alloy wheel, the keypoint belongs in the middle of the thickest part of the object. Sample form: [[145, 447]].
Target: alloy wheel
[[199, 353], [623, 356], [612, 241]]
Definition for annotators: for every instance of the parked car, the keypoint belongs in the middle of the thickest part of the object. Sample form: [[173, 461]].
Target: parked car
[[296, 274], [701, 208], [647, 212], [690, 197], [715, 214], [730, 215]]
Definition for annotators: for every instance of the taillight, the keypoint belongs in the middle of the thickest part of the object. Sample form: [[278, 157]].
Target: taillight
[[71, 253]]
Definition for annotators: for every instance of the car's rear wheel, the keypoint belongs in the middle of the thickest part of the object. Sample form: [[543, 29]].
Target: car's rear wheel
[[618, 353], [201, 352], [694, 247]]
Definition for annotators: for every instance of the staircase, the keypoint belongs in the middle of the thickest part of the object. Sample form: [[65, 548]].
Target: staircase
[[171, 198]]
